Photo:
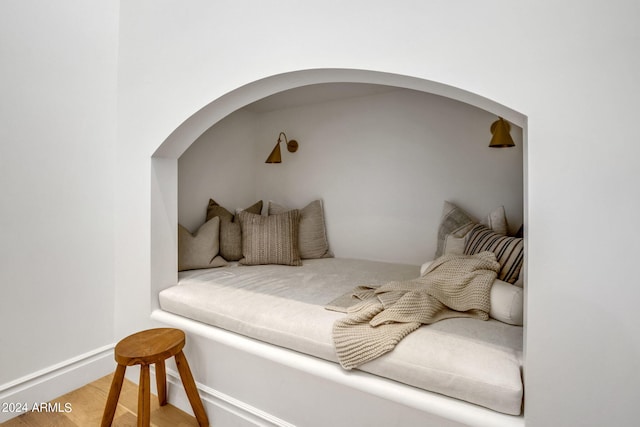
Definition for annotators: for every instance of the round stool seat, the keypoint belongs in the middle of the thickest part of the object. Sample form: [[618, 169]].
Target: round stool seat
[[148, 347], [152, 347]]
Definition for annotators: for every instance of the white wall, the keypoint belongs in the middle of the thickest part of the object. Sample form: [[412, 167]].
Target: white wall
[[383, 164], [569, 67], [220, 165], [57, 171]]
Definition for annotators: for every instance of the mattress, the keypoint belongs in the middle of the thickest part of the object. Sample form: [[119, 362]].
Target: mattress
[[473, 360]]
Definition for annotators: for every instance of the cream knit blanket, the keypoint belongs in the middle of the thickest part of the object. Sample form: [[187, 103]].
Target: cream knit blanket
[[452, 286]]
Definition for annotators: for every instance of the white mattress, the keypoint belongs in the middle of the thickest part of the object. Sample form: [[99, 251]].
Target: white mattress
[[476, 361]]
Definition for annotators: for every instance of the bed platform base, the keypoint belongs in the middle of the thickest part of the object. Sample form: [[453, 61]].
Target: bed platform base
[[259, 384]]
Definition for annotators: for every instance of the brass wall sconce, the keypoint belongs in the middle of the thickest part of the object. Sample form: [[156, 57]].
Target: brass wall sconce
[[275, 156], [501, 136]]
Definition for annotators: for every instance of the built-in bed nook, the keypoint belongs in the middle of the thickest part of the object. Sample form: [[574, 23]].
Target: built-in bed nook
[[393, 190]]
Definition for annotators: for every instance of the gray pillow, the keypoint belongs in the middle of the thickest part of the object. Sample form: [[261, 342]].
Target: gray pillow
[[200, 249], [312, 235], [270, 239], [454, 221], [457, 223], [230, 232]]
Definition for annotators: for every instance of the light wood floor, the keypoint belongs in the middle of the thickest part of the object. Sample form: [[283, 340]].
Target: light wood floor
[[87, 404]]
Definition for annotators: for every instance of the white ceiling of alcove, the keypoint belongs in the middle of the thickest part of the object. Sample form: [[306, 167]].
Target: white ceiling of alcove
[[316, 93], [242, 97]]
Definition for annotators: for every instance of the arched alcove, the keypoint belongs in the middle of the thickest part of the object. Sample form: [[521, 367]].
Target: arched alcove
[[200, 121], [164, 205], [164, 165]]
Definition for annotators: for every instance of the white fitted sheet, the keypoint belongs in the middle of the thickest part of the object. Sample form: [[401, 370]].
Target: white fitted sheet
[[476, 361]]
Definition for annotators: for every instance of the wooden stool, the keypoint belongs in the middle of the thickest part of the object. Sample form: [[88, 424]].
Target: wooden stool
[[145, 348]]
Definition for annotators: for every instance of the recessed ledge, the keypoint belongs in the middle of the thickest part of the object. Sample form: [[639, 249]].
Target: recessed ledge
[[432, 403]]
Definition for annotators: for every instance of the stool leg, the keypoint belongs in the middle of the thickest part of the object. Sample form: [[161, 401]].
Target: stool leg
[[190, 387], [161, 381], [114, 394], [144, 396]]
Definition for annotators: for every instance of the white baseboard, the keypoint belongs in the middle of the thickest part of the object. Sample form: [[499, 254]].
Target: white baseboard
[[220, 406], [59, 379], [54, 381]]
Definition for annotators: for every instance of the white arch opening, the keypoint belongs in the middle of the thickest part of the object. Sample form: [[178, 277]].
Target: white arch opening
[[164, 167]]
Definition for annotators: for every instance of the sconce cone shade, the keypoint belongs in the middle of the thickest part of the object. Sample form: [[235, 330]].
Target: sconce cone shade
[[501, 136], [275, 156]]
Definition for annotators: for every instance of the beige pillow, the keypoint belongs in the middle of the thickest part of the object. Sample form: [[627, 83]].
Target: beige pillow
[[230, 232], [457, 223], [270, 239], [424, 266], [497, 221], [507, 303], [200, 249], [312, 235]]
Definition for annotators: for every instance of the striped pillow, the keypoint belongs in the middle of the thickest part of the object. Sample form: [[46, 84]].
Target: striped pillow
[[312, 236], [509, 250], [270, 239]]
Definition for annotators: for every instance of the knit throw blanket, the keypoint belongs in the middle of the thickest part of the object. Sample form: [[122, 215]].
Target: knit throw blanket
[[452, 286]]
